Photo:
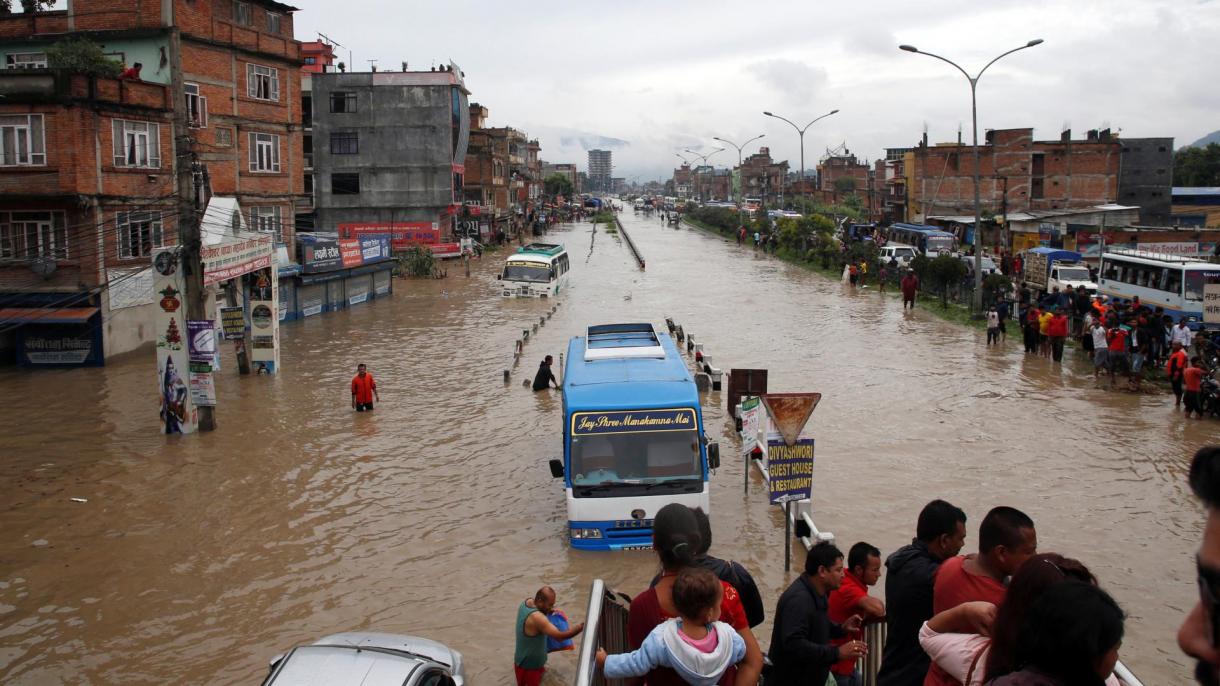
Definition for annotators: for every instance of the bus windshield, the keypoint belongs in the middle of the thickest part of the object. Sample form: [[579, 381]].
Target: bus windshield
[[635, 458], [1195, 280], [940, 244], [527, 271]]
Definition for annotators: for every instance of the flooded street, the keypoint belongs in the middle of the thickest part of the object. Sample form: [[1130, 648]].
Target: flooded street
[[196, 559]]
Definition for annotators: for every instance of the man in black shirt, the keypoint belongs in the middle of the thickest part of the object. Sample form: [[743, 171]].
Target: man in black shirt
[[800, 640], [939, 535], [545, 377]]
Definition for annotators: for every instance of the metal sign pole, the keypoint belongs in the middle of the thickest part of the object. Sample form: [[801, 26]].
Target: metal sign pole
[[788, 536]]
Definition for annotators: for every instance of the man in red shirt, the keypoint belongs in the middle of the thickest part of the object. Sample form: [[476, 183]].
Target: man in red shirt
[[1057, 331], [364, 390], [910, 285], [1116, 338], [1192, 377], [1174, 369], [1006, 539], [852, 598]]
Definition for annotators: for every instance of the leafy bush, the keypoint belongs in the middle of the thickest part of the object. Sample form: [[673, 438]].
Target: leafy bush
[[417, 261], [82, 56], [943, 271]]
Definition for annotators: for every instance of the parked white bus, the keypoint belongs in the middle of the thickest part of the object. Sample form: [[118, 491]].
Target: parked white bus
[[1175, 283], [537, 270]]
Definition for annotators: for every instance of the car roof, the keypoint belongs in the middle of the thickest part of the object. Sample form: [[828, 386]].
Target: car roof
[[316, 665]]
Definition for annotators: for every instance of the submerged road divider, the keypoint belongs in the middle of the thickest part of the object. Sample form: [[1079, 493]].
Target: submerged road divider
[[630, 243]]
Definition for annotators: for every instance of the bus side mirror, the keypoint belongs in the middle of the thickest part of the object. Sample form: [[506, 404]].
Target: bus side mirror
[[556, 469], [713, 455]]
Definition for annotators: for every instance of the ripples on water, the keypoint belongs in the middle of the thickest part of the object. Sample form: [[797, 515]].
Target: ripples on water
[[196, 559]]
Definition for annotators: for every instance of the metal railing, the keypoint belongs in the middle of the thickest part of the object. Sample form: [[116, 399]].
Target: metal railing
[[605, 627]]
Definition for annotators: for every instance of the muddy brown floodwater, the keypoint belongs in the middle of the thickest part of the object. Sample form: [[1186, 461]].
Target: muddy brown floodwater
[[198, 558]]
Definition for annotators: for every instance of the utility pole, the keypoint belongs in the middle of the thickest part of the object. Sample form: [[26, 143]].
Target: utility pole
[[188, 175]]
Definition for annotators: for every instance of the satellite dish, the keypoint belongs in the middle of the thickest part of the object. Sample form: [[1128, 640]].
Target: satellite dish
[[43, 266]]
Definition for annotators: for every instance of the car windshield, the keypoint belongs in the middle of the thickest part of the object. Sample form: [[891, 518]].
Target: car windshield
[[904, 252], [1074, 274], [527, 271], [635, 458]]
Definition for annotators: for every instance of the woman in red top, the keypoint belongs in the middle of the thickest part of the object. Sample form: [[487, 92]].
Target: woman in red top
[[675, 538]]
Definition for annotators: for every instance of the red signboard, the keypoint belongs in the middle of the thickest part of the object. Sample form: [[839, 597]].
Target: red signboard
[[349, 252], [446, 250], [402, 234]]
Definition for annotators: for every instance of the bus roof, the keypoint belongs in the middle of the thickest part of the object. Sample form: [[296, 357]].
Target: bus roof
[[541, 248], [1157, 258], [616, 376], [922, 228]]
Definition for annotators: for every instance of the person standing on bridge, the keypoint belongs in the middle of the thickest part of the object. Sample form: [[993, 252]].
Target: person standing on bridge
[[545, 378], [852, 598], [531, 630], [1198, 637], [364, 390], [939, 534]]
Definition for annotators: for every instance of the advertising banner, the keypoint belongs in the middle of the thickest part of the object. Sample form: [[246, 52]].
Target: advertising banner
[[402, 234], [178, 412], [1211, 303], [232, 258], [201, 340], [751, 414], [597, 423], [790, 469], [203, 385], [320, 255], [233, 319], [265, 321]]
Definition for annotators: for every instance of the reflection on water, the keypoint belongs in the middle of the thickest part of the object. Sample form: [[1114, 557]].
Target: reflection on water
[[195, 559]]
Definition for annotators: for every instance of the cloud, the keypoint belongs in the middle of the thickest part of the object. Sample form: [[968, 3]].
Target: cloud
[[794, 80]]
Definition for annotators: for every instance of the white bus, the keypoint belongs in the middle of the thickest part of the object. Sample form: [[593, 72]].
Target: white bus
[[537, 270], [1170, 281]]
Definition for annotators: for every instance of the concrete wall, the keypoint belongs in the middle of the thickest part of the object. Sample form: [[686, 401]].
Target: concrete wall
[[127, 329], [1145, 178], [407, 149]]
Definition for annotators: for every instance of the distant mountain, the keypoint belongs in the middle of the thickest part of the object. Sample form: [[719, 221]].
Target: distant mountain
[[1213, 137]]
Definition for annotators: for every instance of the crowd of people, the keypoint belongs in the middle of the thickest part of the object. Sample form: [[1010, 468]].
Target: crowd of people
[[1004, 615]]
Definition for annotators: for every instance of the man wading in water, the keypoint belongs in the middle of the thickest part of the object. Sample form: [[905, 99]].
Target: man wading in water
[[545, 377], [531, 632]]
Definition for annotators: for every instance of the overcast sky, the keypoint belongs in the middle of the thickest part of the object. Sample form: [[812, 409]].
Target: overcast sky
[[648, 79]]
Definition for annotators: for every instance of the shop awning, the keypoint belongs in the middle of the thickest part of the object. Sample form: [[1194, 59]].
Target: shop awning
[[37, 315]]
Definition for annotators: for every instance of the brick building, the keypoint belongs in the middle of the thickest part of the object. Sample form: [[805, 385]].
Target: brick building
[[682, 181], [89, 190], [841, 164], [486, 181], [762, 177], [317, 56], [1018, 173]]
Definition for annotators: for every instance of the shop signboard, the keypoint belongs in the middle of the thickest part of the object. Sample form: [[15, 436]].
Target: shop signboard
[[402, 234], [751, 413], [1211, 303], [265, 321], [233, 321], [58, 345], [178, 413], [789, 470], [231, 258], [320, 255]]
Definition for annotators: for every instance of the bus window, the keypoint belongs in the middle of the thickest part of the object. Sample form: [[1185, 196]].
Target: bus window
[[1195, 281], [1173, 281]]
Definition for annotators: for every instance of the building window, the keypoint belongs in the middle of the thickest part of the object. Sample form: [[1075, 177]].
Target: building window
[[307, 148], [311, 60], [344, 143], [242, 14], [25, 60], [137, 144], [224, 137], [196, 107], [342, 103], [309, 184], [266, 220], [31, 235], [263, 83], [273, 22], [264, 152], [139, 233], [307, 111], [344, 184], [22, 141]]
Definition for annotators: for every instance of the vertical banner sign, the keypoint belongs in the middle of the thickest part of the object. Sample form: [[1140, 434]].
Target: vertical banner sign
[[790, 468], [201, 349], [178, 413], [265, 321], [751, 412], [1211, 303], [233, 319]]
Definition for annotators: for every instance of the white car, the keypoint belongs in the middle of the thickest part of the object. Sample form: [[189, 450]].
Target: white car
[[903, 253], [362, 658]]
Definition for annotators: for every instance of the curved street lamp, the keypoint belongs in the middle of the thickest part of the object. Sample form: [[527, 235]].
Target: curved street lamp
[[704, 158], [974, 116], [801, 132], [739, 147]]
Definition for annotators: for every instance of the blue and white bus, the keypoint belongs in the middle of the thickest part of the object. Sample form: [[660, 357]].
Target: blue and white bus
[[1171, 281], [929, 240], [633, 437]]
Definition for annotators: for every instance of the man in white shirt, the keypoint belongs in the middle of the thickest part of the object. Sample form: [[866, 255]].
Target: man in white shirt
[[1182, 334], [1101, 348]]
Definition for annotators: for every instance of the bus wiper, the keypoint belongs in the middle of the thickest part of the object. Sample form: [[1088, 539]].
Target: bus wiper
[[586, 490], [679, 483]]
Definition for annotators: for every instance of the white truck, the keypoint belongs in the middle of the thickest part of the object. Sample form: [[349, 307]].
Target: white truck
[[1046, 269]]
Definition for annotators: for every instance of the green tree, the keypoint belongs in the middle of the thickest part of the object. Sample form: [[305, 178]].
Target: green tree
[[27, 6], [944, 271], [557, 184], [82, 56], [995, 284], [845, 184], [1197, 166]]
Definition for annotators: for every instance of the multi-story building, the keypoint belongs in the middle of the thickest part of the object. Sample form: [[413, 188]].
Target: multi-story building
[[601, 170], [389, 152], [762, 177], [1018, 173], [568, 170], [682, 181], [892, 184], [486, 179], [89, 164], [316, 56], [836, 167]]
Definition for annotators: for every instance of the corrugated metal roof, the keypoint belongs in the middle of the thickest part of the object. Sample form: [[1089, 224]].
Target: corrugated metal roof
[[1213, 191]]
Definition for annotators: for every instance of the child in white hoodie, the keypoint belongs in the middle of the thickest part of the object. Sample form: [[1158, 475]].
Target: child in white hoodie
[[696, 646]]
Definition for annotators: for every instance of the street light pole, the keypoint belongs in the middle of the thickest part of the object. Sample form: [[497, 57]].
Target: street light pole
[[974, 117], [740, 190], [704, 158], [801, 131]]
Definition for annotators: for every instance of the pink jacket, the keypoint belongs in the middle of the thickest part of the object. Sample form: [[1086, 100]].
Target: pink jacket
[[956, 652]]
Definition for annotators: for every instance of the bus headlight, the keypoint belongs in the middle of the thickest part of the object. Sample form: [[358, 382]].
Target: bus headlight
[[586, 533]]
